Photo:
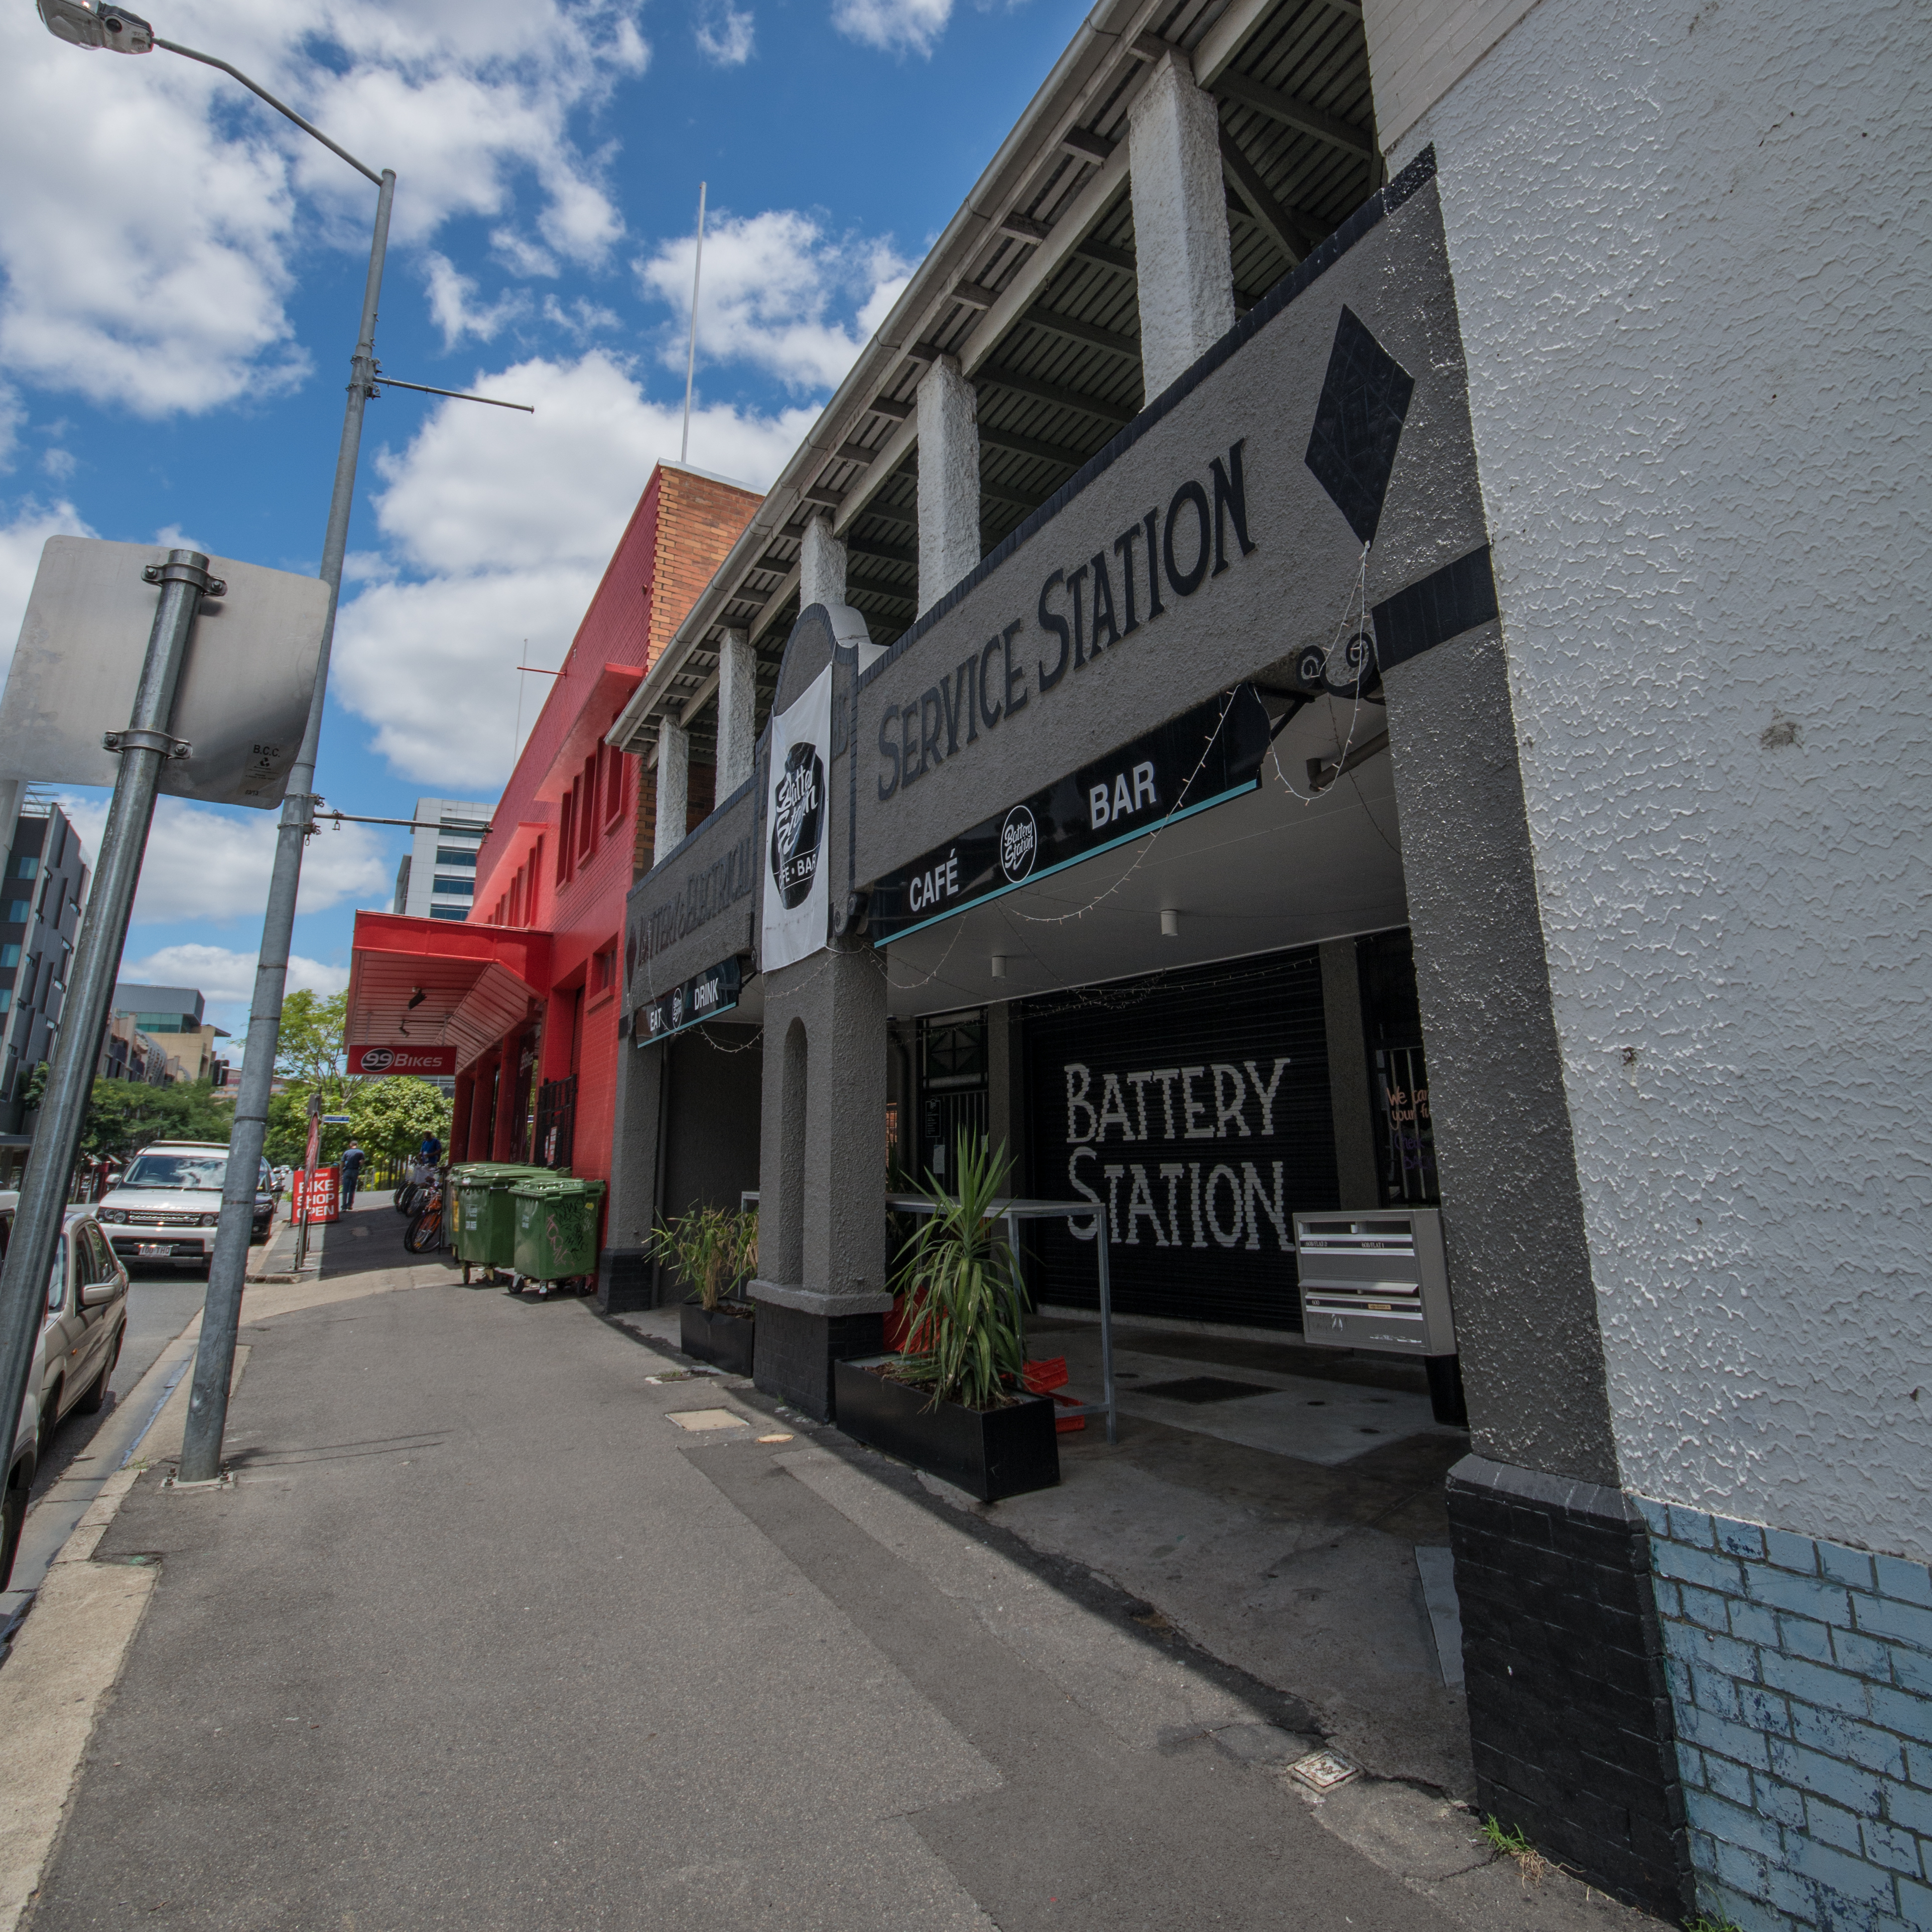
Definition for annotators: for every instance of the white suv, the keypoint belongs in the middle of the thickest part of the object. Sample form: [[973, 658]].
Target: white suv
[[166, 1206]]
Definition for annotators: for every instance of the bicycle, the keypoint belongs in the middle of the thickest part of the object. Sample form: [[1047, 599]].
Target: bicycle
[[424, 1232]]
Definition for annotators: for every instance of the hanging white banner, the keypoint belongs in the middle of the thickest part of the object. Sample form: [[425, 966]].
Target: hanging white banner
[[796, 888]]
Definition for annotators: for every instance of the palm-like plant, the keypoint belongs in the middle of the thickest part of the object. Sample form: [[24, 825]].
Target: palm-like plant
[[965, 1305], [714, 1250]]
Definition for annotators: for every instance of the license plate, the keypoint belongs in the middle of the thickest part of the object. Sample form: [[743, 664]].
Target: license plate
[[148, 1250]]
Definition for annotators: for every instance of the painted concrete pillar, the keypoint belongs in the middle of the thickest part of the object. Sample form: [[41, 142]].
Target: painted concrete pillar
[[625, 1275], [823, 1286], [673, 787], [737, 709], [1180, 223], [949, 480], [509, 1115], [461, 1101], [821, 565]]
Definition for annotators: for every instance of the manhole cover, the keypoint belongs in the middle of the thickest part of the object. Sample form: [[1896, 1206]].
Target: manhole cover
[[1324, 1770], [1204, 1388], [699, 1419]]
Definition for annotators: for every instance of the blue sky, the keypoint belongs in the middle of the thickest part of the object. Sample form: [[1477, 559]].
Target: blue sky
[[180, 273]]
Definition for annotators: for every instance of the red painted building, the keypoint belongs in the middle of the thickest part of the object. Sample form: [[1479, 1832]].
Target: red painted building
[[524, 995]]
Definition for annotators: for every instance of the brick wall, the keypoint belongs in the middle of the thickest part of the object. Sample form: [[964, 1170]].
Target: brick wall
[[1564, 1666], [1801, 1674]]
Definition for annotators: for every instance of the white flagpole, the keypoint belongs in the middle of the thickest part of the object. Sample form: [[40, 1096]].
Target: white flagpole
[[691, 360]]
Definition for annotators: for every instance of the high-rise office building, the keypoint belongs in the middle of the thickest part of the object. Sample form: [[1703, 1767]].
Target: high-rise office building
[[437, 879]]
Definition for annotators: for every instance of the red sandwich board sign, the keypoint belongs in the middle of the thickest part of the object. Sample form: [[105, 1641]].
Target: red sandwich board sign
[[316, 1196], [424, 1061]]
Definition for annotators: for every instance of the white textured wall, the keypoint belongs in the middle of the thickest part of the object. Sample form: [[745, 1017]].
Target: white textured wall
[[822, 561], [1186, 288], [1691, 249], [949, 480]]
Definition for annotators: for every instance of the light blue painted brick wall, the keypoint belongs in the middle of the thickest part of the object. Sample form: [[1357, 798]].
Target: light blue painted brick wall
[[1801, 1674]]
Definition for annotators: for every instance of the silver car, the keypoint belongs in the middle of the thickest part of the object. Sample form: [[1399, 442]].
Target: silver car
[[74, 1357], [165, 1209]]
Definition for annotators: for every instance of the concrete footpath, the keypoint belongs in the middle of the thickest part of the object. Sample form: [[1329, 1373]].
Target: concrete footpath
[[498, 1628]]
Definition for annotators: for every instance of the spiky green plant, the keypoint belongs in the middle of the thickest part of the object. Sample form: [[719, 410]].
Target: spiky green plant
[[713, 1250], [964, 1306]]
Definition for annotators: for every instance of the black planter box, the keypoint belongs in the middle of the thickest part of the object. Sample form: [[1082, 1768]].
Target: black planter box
[[723, 1340], [1000, 1452]]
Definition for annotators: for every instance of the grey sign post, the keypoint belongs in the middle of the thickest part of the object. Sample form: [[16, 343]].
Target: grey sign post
[[145, 748]]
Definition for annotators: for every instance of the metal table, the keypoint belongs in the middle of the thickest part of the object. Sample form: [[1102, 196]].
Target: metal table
[[1013, 1210]]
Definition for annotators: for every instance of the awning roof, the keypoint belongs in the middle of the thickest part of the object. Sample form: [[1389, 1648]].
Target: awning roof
[[477, 982]]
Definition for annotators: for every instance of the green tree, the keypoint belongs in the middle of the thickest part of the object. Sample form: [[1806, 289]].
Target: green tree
[[308, 1048], [123, 1116], [390, 1116]]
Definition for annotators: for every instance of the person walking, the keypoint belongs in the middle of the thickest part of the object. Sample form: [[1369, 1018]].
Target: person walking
[[352, 1172]]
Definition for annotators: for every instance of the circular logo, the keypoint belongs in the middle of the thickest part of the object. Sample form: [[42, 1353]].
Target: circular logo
[[798, 824], [377, 1060], [1019, 844]]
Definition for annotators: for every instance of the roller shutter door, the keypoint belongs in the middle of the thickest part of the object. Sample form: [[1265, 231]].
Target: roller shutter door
[[1196, 1106]]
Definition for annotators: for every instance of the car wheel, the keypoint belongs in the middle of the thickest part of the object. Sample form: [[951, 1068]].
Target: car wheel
[[95, 1400], [13, 1518], [50, 1409]]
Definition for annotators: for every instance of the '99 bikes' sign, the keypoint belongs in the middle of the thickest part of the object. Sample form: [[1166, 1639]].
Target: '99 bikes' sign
[[379, 1061]]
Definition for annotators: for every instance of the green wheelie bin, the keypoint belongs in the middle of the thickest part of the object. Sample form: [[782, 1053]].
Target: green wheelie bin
[[485, 1222], [555, 1229]]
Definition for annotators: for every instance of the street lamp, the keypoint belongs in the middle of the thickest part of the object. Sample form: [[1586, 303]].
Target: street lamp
[[114, 28]]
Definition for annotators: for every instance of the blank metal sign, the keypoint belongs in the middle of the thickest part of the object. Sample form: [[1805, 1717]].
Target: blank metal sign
[[245, 690]]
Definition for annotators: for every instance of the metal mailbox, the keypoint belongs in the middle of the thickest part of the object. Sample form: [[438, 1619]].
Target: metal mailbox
[[1374, 1280]]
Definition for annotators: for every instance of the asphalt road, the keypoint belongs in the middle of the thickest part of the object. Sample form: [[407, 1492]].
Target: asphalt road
[[481, 1638]]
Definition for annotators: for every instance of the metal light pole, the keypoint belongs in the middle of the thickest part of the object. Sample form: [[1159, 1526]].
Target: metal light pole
[[113, 28], [214, 1362], [143, 746]]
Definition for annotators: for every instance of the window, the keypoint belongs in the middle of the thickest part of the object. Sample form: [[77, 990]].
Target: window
[[448, 912], [460, 888], [587, 810], [614, 784], [27, 867], [604, 970], [454, 855], [6, 999], [10, 956], [564, 837], [19, 911]]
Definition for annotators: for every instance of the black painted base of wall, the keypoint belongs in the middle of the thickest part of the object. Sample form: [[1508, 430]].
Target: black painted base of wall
[[796, 1351], [626, 1278], [1569, 1707]]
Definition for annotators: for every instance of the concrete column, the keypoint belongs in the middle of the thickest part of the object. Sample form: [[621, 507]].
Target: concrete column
[[949, 480], [1006, 1088], [461, 1103], [737, 709], [673, 788], [1181, 222], [821, 565], [1350, 1104], [625, 1274], [821, 1172]]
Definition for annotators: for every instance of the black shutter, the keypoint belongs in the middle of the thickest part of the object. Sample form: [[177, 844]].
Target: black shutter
[[1166, 1072]]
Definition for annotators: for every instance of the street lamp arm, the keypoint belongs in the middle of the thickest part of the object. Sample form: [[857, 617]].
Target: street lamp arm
[[280, 107]]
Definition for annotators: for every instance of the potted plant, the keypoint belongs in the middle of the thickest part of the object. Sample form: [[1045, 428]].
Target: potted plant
[[955, 1404], [714, 1251]]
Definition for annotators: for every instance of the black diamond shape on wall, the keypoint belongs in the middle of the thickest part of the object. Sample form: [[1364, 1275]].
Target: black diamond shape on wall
[[1357, 423]]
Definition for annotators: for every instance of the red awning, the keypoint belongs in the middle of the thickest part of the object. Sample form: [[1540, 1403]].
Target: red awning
[[477, 983]]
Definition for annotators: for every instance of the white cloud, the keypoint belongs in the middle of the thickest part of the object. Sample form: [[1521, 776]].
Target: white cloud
[[773, 288], [202, 864], [894, 26], [225, 977], [453, 303], [724, 33], [509, 521], [149, 265], [21, 543]]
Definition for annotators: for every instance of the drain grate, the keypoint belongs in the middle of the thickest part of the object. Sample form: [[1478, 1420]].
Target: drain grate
[[1204, 1388]]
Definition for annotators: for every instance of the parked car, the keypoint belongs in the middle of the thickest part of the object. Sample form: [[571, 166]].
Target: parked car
[[74, 1354], [167, 1206]]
